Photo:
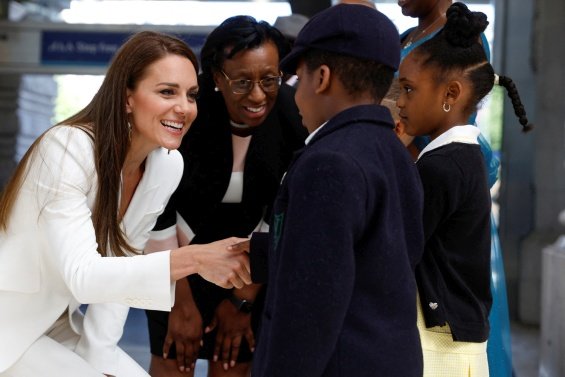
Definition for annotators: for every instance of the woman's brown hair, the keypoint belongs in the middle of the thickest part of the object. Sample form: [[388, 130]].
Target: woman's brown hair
[[105, 119]]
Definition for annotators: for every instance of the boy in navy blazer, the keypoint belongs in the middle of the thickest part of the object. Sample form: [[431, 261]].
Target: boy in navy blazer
[[346, 231]]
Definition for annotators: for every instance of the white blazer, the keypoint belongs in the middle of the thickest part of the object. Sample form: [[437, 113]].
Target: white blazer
[[48, 256]]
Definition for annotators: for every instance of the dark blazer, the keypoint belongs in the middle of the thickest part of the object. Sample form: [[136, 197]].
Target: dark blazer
[[344, 240], [208, 158]]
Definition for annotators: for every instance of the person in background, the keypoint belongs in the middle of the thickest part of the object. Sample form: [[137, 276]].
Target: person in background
[[442, 81], [367, 3], [347, 229], [235, 155], [289, 26], [87, 193], [431, 19], [390, 103]]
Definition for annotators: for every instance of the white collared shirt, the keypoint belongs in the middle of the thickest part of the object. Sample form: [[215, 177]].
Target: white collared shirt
[[467, 134], [314, 133]]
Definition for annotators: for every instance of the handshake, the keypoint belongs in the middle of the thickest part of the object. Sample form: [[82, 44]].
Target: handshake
[[224, 263]]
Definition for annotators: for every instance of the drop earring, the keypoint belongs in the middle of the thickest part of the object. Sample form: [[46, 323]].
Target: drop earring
[[129, 131]]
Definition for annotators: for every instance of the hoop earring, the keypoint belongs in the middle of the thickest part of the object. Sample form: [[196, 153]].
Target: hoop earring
[[446, 107]]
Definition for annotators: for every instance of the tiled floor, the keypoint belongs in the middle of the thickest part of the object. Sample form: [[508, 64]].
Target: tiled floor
[[525, 345]]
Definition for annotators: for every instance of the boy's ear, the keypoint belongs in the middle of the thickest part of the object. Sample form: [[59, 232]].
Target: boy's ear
[[399, 128], [324, 76]]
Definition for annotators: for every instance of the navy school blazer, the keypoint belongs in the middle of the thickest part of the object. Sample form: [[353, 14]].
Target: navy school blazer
[[345, 237]]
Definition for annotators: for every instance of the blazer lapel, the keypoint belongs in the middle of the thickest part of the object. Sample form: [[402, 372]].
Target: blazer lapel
[[143, 207]]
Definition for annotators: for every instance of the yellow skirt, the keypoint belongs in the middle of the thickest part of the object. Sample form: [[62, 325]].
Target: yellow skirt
[[444, 357]]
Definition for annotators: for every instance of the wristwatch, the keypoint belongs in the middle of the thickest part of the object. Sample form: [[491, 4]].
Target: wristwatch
[[242, 305]]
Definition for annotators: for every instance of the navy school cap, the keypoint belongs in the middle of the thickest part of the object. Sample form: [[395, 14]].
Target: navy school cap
[[348, 29]]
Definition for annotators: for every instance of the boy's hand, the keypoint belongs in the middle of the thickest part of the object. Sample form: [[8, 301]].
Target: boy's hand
[[241, 246]]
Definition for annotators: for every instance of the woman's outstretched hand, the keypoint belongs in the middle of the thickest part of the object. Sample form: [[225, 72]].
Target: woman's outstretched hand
[[243, 246], [225, 267]]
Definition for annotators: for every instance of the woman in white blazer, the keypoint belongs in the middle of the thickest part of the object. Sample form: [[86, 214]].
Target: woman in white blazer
[[87, 192]]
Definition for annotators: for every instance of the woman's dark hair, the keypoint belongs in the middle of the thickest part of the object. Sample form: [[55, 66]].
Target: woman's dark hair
[[356, 75], [235, 34], [456, 50], [105, 119]]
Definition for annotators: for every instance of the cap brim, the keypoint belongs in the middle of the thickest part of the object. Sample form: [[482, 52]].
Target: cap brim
[[290, 61]]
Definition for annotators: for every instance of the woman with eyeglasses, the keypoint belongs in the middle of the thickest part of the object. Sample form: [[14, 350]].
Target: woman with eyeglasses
[[235, 155]]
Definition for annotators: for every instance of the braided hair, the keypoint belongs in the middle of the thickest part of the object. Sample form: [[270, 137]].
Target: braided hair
[[456, 51], [519, 109]]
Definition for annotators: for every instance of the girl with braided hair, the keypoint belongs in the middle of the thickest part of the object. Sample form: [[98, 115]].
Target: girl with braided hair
[[431, 15], [442, 83]]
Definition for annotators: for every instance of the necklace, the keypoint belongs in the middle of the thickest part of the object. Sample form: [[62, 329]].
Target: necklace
[[242, 130], [415, 37], [240, 126]]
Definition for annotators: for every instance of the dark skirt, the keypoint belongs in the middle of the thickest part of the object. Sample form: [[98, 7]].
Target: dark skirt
[[207, 297]]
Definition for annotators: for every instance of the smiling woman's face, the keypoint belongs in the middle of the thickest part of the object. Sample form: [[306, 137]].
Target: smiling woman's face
[[253, 64], [163, 104]]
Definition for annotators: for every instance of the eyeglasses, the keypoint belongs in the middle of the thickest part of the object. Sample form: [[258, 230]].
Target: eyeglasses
[[243, 86]]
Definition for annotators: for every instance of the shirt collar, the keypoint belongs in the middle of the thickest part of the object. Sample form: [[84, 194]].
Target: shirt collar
[[314, 133], [467, 134]]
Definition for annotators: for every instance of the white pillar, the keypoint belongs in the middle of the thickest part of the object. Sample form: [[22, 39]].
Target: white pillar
[[552, 342], [26, 110], [9, 125]]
